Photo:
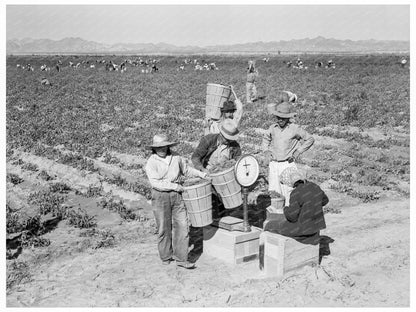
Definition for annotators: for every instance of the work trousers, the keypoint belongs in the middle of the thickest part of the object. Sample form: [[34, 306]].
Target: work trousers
[[172, 224], [275, 169], [251, 92]]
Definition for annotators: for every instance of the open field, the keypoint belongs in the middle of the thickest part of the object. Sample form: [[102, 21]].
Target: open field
[[79, 224]]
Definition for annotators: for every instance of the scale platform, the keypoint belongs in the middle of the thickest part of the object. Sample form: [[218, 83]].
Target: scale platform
[[229, 223]]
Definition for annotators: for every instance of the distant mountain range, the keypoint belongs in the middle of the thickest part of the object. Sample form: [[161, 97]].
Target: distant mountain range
[[315, 45]]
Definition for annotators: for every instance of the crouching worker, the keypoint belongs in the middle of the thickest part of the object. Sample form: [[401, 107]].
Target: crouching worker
[[165, 171], [304, 217]]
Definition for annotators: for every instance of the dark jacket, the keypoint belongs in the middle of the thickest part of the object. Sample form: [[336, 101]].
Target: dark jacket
[[304, 214], [207, 146]]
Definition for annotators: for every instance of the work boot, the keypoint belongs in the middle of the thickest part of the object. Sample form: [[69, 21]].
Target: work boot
[[185, 264], [167, 262]]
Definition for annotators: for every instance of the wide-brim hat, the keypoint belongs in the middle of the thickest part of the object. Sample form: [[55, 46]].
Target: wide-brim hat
[[161, 140], [229, 130], [283, 110]]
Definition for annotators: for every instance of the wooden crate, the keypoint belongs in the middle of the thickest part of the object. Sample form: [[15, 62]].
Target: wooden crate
[[283, 254], [231, 246]]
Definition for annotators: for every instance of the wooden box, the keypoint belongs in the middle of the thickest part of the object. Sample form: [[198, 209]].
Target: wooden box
[[231, 246], [283, 254]]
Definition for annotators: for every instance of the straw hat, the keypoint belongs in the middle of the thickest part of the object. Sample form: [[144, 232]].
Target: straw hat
[[161, 140], [283, 110], [290, 176], [229, 130]]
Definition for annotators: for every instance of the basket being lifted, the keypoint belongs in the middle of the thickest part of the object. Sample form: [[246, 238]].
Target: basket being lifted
[[217, 95], [227, 188]]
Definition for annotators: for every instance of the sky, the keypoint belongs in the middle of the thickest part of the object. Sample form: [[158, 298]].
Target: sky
[[205, 25]]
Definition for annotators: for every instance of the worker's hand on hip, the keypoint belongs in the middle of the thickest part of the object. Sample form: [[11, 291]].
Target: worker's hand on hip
[[180, 188], [268, 156]]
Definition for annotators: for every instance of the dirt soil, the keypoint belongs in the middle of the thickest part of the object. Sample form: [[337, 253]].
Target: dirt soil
[[365, 262], [368, 265]]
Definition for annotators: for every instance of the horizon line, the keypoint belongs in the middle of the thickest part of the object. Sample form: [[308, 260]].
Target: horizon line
[[207, 46]]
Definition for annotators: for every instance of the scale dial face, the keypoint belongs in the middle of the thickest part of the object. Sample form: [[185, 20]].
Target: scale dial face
[[247, 170]]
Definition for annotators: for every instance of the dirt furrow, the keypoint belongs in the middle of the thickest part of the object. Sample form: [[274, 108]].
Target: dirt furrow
[[81, 181]]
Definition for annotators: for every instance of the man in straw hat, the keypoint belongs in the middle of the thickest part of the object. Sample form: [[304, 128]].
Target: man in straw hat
[[283, 143], [216, 148], [303, 218], [230, 110], [164, 170]]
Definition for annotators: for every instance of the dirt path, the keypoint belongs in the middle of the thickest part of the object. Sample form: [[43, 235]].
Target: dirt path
[[368, 266]]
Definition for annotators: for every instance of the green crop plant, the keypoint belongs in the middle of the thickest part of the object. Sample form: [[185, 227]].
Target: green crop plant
[[59, 187], [17, 272], [30, 167], [81, 219], [118, 206], [14, 178], [46, 201]]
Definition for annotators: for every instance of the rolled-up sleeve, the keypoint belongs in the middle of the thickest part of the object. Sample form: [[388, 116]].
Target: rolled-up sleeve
[[306, 140], [199, 153]]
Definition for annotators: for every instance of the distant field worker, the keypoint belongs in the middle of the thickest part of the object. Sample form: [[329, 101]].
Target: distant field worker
[[286, 96], [251, 89], [164, 170], [45, 82], [303, 218], [231, 110], [282, 144]]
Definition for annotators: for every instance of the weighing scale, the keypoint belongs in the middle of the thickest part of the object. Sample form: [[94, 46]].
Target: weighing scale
[[246, 171]]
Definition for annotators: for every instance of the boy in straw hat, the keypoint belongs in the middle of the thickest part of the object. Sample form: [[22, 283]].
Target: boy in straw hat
[[164, 170], [230, 110], [303, 218], [215, 148], [283, 143]]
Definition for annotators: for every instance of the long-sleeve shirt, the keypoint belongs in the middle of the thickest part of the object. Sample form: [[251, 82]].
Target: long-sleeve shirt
[[164, 173], [291, 141], [207, 146], [304, 213], [213, 126]]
